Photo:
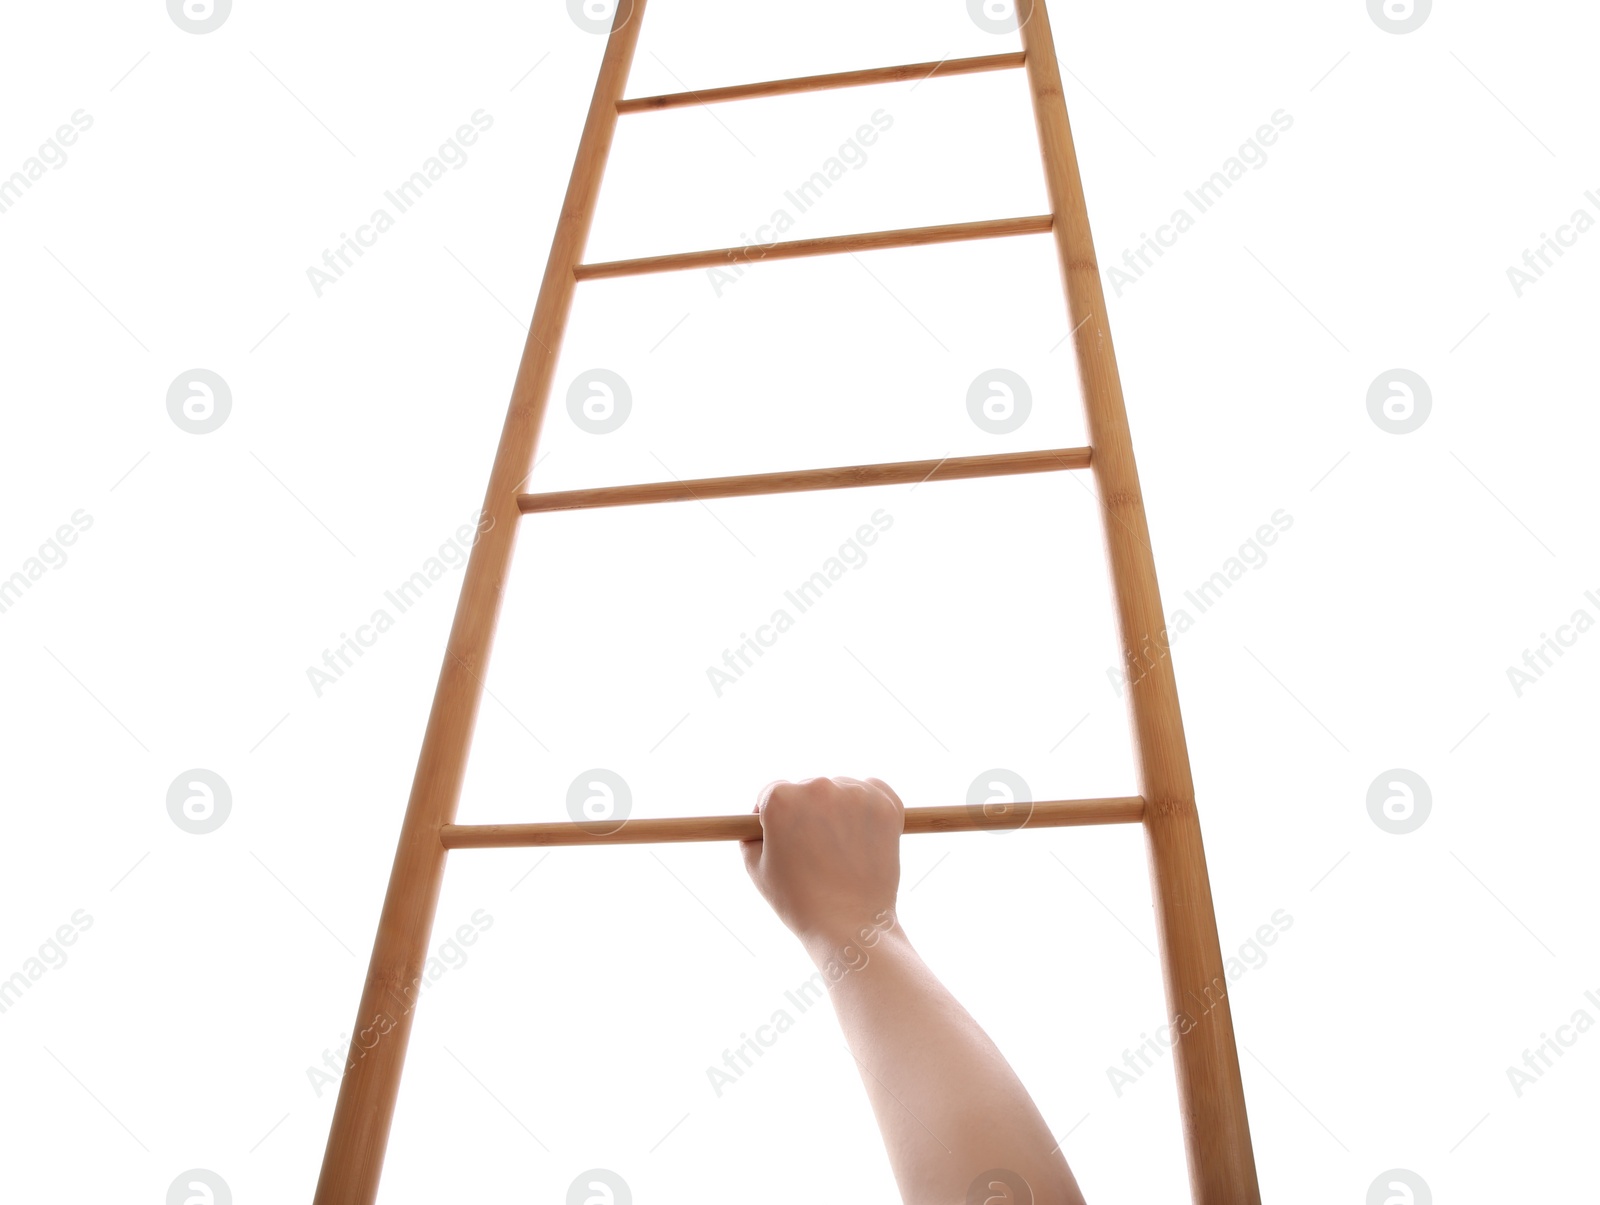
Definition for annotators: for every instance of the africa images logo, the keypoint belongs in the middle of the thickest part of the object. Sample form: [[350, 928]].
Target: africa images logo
[[199, 16]]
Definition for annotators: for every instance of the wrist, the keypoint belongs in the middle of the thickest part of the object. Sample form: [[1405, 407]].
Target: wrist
[[848, 943]]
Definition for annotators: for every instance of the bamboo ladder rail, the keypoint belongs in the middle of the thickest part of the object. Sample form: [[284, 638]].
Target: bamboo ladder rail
[[1222, 1168], [1216, 1132]]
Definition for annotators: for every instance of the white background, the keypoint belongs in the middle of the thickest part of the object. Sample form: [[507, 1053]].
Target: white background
[[178, 633]]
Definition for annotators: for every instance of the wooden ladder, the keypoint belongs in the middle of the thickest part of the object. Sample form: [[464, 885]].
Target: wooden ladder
[[1216, 1131]]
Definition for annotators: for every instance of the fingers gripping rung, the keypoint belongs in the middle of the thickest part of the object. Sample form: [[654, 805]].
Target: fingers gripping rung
[[817, 83], [905, 472], [1056, 813]]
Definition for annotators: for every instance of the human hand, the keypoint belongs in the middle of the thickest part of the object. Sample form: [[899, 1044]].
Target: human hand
[[829, 860], [829, 864]]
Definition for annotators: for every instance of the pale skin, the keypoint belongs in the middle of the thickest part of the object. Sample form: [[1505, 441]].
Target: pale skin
[[949, 1106]]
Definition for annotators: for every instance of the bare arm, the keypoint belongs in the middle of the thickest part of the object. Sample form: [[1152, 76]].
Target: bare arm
[[950, 1107]]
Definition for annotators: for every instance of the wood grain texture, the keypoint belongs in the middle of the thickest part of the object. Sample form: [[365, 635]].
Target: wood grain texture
[[353, 1162], [1055, 813], [817, 83], [904, 472], [840, 244], [1216, 1130]]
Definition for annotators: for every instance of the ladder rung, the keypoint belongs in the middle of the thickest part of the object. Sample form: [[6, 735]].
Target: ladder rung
[[747, 826], [951, 468], [817, 83], [839, 244]]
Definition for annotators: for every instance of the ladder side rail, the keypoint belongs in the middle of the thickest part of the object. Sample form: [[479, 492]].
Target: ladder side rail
[[353, 1162], [1211, 1094]]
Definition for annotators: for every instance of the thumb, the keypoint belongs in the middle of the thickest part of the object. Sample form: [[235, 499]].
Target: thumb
[[752, 850]]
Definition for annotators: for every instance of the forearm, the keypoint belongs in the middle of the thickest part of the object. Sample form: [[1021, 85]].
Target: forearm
[[949, 1105]]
